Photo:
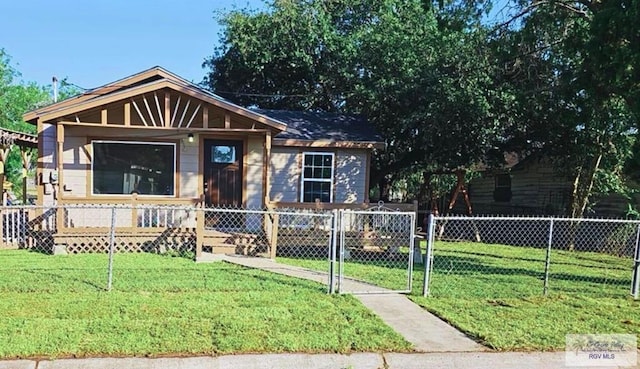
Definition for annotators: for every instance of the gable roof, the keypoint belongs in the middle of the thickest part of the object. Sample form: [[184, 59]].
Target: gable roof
[[315, 126], [148, 80], [148, 75], [298, 128]]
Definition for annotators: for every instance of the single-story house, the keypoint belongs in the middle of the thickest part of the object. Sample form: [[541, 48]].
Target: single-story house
[[155, 139], [169, 141], [532, 186]]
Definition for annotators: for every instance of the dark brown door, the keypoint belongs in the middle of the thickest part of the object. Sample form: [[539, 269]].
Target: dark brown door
[[223, 173]]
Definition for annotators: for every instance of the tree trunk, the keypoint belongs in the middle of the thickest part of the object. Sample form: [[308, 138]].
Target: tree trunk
[[384, 186], [580, 195]]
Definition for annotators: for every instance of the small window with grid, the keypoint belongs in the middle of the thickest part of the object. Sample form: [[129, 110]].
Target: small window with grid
[[317, 177]]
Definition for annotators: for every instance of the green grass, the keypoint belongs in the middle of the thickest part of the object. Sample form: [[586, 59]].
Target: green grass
[[494, 293], [57, 306]]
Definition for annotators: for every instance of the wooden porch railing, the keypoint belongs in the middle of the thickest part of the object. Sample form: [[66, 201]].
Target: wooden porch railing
[[331, 206]]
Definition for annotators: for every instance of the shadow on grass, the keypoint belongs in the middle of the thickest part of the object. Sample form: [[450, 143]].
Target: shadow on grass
[[601, 263], [272, 277], [455, 265], [459, 265], [236, 279], [488, 255], [62, 278]]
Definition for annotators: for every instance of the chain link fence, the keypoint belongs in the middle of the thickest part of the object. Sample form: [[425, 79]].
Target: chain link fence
[[106, 231], [360, 251], [497, 257], [377, 250]]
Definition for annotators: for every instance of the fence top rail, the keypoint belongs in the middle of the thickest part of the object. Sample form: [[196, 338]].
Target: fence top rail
[[282, 211], [380, 205], [379, 212], [533, 218]]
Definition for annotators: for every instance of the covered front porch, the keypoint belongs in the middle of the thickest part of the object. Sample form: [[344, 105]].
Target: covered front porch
[[189, 230]]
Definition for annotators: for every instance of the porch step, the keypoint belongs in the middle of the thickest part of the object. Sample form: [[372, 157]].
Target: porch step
[[238, 249]]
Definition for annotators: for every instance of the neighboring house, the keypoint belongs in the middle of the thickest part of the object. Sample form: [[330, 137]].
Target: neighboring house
[[531, 186], [163, 140]]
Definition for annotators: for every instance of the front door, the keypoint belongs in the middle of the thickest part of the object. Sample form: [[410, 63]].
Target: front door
[[223, 173]]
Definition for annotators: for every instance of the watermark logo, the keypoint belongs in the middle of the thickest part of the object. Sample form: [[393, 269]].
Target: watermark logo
[[601, 350]]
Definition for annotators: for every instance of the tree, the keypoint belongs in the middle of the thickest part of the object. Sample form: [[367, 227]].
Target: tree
[[571, 75], [15, 99], [416, 70]]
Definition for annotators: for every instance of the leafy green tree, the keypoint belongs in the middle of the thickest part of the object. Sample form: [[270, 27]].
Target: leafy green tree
[[572, 92], [447, 90], [16, 98], [417, 70]]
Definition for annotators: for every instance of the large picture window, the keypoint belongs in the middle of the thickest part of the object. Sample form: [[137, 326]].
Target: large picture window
[[317, 177], [122, 168]]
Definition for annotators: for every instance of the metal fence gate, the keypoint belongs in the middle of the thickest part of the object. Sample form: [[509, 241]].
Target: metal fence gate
[[376, 251]]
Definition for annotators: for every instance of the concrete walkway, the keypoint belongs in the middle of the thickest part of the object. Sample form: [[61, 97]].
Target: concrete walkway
[[463, 360], [424, 330]]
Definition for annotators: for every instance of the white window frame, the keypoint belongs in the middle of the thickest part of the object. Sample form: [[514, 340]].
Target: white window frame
[[328, 180], [175, 166]]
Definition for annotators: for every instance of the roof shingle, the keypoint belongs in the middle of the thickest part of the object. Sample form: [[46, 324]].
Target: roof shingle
[[307, 125]]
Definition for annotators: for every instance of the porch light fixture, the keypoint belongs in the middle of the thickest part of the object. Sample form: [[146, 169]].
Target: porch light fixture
[[190, 137]]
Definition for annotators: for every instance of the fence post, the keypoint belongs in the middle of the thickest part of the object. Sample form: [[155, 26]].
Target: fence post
[[340, 246], [428, 258], [332, 251], [635, 279], [2, 222], [112, 241], [412, 248], [547, 261]]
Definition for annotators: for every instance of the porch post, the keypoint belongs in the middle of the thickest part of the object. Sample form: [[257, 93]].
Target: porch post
[[267, 163], [25, 153], [6, 141], [4, 151], [60, 167], [134, 210]]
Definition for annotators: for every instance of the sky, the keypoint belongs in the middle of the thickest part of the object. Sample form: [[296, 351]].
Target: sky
[[94, 42]]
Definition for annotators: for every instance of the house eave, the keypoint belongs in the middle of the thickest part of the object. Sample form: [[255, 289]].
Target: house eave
[[22, 139], [329, 144]]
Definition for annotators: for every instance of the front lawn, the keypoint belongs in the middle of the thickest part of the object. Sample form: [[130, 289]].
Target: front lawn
[[494, 293], [56, 306]]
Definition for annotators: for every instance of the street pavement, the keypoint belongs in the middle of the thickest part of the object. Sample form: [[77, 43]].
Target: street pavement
[[441, 360]]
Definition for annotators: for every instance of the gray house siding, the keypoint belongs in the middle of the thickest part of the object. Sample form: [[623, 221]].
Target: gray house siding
[[285, 174], [350, 175]]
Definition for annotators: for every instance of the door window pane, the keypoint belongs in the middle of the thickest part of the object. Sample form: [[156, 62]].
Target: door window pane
[[223, 154]]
